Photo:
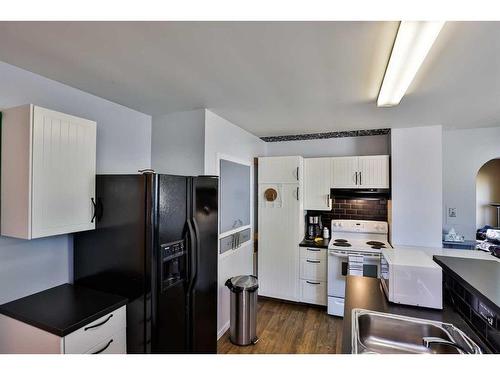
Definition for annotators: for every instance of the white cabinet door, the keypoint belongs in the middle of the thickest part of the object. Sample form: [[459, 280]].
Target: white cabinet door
[[313, 269], [283, 169], [278, 255], [317, 183], [345, 172], [64, 167], [313, 292], [374, 171]]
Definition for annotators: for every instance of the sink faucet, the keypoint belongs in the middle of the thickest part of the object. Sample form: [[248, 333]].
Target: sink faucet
[[428, 341]]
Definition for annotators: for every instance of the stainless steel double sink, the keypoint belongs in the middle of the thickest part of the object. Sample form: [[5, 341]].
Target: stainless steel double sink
[[375, 332]]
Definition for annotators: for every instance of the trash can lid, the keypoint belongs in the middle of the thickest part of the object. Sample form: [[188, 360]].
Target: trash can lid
[[242, 283]]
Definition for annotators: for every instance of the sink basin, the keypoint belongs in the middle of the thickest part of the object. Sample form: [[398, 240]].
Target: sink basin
[[375, 332]]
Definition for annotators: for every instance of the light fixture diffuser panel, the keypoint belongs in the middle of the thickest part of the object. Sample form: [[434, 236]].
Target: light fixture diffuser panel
[[413, 42]]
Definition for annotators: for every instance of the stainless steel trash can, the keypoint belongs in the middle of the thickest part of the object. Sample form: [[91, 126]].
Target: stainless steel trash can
[[243, 322]]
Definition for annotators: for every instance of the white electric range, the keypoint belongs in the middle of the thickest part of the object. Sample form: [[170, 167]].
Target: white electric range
[[354, 249]]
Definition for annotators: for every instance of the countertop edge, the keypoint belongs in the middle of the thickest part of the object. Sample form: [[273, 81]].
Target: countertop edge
[[70, 329]]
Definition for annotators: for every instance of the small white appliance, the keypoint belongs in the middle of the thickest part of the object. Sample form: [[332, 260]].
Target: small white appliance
[[411, 277], [354, 249]]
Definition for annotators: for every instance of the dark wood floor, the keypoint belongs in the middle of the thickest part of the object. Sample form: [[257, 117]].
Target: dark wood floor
[[289, 328]]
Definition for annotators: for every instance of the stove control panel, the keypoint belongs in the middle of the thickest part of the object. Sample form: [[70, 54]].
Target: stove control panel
[[360, 226]]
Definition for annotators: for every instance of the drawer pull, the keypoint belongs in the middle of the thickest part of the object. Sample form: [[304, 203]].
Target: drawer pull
[[313, 283], [313, 261], [99, 324], [103, 349], [312, 249]]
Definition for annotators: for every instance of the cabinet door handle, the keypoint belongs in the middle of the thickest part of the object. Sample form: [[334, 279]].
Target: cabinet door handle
[[99, 324], [328, 200], [103, 349], [297, 173], [297, 193], [356, 177], [94, 206], [360, 179], [313, 261], [312, 283]]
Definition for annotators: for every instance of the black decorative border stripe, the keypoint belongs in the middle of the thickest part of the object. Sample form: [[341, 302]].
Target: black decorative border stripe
[[305, 137]]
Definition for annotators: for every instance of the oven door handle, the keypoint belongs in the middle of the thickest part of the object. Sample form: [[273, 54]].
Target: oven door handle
[[346, 255]]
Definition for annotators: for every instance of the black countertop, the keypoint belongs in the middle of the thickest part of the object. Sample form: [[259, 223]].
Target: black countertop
[[366, 293], [62, 309], [483, 276], [317, 245]]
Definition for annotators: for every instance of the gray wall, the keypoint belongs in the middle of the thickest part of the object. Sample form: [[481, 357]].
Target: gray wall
[[178, 143], [348, 146], [123, 146], [464, 153]]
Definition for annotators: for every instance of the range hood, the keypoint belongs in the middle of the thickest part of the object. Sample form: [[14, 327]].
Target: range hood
[[361, 193]]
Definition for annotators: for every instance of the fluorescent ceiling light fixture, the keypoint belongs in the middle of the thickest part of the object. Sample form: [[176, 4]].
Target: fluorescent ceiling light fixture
[[413, 41]]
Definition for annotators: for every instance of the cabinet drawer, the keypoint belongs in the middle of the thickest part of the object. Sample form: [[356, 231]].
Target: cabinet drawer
[[116, 344], [86, 338], [313, 269], [313, 253], [313, 292]]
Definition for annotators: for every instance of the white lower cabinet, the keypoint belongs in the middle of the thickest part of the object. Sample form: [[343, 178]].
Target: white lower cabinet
[[105, 335], [313, 292], [313, 276], [115, 344]]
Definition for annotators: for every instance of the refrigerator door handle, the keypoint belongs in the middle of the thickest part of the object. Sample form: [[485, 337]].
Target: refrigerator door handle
[[193, 255]]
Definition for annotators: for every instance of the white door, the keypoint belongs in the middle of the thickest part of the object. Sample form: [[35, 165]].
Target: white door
[[374, 171], [280, 169], [64, 167], [278, 255], [317, 184], [345, 172]]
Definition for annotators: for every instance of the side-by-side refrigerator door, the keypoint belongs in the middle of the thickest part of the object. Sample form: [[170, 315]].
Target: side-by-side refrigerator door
[[203, 265], [171, 247]]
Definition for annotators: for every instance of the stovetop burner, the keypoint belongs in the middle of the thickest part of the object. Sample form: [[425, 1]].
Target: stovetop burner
[[342, 244], [378, 247], [340, 240], [375, 243]]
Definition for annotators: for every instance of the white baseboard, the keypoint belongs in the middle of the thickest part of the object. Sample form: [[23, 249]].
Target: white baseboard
[[223, 330]]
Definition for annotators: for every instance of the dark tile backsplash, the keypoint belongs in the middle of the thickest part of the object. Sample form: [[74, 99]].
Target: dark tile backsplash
[[354, 209], [481, 315]]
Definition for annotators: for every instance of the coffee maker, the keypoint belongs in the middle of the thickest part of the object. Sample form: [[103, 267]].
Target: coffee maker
[[313, 227]]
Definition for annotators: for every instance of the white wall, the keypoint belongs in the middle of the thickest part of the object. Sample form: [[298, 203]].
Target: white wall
[[346, 146], [178, 143], [223, 137], [487, 191], [417, 171], [464, 153], [123, 146]]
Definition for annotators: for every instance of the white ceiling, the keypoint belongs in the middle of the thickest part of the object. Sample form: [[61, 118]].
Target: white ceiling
[[271, 78]]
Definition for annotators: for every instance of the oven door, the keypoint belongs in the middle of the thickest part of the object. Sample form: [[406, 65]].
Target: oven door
[[338, 269]]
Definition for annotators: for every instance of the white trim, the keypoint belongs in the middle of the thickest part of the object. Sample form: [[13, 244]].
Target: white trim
[[223, 330]]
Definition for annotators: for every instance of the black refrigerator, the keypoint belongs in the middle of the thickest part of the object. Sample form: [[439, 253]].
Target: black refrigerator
[[155, 243]]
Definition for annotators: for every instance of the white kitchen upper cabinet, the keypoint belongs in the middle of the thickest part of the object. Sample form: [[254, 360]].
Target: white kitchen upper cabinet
[[361, 172], [374, 171], [280, 169], [345, 172], [48, 173], [317, 183]]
